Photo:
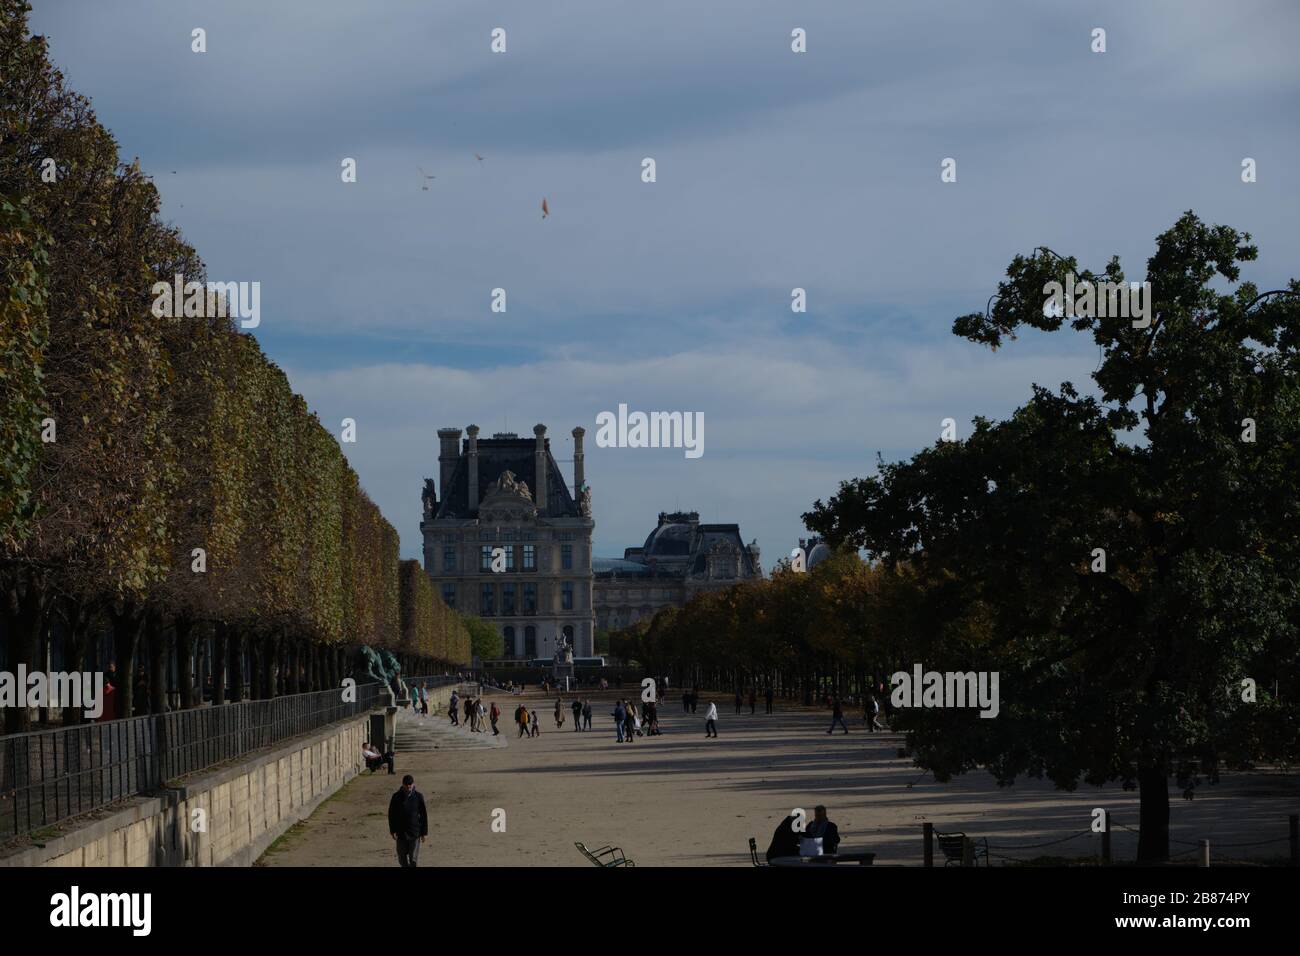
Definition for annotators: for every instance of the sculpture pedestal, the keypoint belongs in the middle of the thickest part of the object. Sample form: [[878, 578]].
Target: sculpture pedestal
[[563, 674]]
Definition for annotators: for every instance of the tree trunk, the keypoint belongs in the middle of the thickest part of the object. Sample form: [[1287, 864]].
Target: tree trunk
[[1153, 819], [185, 661], [154, 627], [76, 644], [24, 612], [127, 624], [236, 665], [219, 656]]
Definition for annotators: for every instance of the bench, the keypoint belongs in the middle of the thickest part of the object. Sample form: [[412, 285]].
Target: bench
[[953, 846], [605, 856]]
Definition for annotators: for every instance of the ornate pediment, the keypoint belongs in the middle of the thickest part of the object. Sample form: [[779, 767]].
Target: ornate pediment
[[507, 499]]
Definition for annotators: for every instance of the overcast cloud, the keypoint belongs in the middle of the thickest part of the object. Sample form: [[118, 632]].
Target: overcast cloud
[[775, 170]]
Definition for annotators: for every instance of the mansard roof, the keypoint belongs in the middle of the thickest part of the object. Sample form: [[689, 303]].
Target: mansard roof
[[680, 548], [498, 455]]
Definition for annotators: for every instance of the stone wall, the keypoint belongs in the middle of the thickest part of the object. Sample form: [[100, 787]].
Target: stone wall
[[223, 817]]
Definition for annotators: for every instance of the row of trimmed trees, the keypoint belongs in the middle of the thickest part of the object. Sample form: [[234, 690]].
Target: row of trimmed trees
[[803, 635], [1125, 556], [158, 476]]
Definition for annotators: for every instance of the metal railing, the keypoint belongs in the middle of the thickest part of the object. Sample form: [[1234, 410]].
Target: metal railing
[[50, 775]]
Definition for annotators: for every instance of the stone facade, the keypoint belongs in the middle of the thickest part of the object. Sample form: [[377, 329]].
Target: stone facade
[[679, 559], [508, 493]]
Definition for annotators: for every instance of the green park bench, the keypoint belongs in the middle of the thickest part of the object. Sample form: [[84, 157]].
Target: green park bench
[[605, 856]]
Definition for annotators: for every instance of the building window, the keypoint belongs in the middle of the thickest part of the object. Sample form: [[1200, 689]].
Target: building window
[[508, 600], [449, 595], [509, 649], [449, 557], [530, 598], [485, 557], [487, 602], [566, 557], [510, 557], [530, 557], [566, 596], [530, 642]]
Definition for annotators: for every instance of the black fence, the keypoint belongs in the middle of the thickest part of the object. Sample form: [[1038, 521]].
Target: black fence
[[51, 775]]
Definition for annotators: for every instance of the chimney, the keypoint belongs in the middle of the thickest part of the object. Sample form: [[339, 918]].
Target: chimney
[[472, 454], [448, 452], [539, 467], [578, 474]]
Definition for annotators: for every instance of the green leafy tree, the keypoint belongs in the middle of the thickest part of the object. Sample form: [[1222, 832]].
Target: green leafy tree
[[1129, 673]]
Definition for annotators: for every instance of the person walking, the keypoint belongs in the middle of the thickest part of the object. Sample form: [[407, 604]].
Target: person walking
[[537, 725], [837, 715], [559, 713], [619, 715], [629, 721], [576, 707], [711, 720], [408, 821], [740, 702], [753, 701], [494, 714], [479, 715], [873, 713], [454, 710], [521, 716], [767, 696], [586, 714]]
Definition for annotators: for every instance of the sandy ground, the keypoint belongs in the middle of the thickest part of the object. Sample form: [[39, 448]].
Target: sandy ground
[[682, 799]]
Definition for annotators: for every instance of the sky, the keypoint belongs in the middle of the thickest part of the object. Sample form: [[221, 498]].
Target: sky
[[775, 170]]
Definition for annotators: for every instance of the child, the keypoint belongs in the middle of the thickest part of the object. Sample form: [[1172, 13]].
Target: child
[[537, 728]]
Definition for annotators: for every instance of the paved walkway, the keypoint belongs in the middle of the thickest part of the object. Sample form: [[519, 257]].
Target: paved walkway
[[682, 799]]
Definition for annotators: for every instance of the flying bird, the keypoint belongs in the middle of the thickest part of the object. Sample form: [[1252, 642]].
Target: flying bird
[[545, 210], [478, 157], [427, 177]]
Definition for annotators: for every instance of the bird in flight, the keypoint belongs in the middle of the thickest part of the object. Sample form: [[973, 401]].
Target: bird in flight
[[545, 209], [427, 177], [478, 157]]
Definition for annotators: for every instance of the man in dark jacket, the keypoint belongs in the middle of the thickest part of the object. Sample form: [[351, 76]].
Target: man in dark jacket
[[408, 823]]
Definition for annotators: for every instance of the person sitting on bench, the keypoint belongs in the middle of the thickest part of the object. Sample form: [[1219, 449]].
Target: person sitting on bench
[[374, 759]]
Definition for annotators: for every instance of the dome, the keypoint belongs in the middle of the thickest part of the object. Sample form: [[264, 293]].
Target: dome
[[669, 540], [818, 554]]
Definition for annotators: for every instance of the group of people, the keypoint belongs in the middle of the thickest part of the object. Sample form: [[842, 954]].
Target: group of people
[[631, 722], [871, 709], [581, 713], [471, 712], [768, 697]]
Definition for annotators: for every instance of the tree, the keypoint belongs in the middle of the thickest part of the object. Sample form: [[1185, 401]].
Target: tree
[[484, 641], [1121, 670]]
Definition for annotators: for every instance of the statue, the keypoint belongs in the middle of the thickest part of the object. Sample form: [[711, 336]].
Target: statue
[[430, 498], [508, 482], [378, 667], [584, 501]]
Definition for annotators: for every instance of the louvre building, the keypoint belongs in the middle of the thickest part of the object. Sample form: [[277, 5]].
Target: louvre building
[[504, 497], [680, 558]]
